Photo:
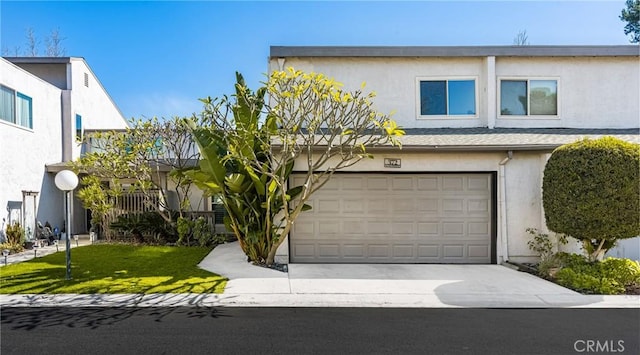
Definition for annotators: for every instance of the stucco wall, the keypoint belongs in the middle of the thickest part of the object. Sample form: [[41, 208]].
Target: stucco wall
[[25, 152], [593, 92], [91, 102]]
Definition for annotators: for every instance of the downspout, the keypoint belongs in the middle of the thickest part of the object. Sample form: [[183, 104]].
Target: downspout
[[502, 205]]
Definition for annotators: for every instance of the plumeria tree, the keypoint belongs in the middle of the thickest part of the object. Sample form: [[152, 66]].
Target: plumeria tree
[[250, 147], [137, 160]]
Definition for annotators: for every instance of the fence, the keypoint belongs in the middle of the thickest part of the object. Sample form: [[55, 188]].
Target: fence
[[138, 203]]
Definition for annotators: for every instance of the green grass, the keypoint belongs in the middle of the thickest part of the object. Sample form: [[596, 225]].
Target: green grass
[[106, 268]]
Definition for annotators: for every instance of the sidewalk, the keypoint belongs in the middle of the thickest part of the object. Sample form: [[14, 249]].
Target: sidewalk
[[333, 285], [45, 250]]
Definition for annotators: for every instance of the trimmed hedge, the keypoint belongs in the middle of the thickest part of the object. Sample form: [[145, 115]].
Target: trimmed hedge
[[591, 190]]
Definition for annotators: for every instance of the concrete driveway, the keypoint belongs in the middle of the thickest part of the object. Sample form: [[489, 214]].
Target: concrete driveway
[[394, 285]]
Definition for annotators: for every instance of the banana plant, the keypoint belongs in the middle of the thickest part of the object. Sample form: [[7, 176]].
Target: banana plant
[[235, 166]]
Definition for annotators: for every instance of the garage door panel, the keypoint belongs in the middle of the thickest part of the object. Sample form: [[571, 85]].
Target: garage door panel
[[376, 218], [452, 251], [479, 183], [478, 251], [377, 183], [453, 206], [329, 250], [353, 250], [402, 183], [402, 205], [406, 228], [477, 206], [403, 251], [379, 251], [428, 205], [452, 183]]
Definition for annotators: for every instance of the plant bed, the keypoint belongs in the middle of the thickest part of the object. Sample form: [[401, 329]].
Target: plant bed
[[613, 276], [274, 266]]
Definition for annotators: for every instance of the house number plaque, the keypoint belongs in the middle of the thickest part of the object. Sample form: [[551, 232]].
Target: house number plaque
[[392, 162]]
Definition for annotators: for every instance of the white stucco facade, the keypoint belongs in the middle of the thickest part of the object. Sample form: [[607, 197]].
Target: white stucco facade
[[57, 92], [593, 92], [597, 94]]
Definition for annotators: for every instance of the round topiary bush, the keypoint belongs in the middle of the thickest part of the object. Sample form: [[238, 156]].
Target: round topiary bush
[[591, 191]]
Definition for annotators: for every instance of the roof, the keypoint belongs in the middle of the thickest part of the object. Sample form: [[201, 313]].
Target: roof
[[41, 60], [455, 51], [485, 139]]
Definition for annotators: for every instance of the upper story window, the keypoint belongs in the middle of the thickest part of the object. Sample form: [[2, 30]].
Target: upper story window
[[79, 130], [447, 97], [16, 107], [528, 97]]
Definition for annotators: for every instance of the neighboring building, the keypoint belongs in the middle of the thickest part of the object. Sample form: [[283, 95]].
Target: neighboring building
[[481, 123], [45, 106]]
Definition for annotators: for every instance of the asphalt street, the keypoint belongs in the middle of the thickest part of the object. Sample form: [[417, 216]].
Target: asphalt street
[[193, 330]]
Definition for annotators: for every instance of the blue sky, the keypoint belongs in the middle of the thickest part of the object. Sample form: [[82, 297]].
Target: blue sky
[[156, 58]]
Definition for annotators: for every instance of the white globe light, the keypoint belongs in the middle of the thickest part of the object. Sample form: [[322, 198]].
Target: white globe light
[[66, 180]]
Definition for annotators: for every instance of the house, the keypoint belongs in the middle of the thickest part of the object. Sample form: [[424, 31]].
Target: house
[[481, 123], [46, 105]]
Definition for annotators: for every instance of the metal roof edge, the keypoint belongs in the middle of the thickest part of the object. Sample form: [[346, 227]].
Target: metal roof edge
[[456, 51]]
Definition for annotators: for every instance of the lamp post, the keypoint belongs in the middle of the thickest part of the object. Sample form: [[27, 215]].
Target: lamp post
[[67, 180]]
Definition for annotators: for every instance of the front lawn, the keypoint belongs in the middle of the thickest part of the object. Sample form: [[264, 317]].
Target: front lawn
[[107, 268]]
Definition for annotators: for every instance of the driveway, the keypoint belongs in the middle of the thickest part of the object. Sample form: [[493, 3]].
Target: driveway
[[394, 285]]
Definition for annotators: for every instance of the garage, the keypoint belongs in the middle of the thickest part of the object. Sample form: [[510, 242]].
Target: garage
[[398, 218]]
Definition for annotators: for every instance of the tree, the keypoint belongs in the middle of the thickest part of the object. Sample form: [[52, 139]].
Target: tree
[[521, 39], [590, 192], [631, 15], [309, 120], [139, 157], [32, 43], [53, 43]]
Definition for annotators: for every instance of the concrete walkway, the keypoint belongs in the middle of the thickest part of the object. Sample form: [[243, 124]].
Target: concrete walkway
[[42, 251], [373, 285]]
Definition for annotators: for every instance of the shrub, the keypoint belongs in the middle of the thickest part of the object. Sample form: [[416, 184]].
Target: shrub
[[147, 227], [611, 276], [15, 233], [590, 192], [587, 282], [543, 244], [12, 248], [625, 271]]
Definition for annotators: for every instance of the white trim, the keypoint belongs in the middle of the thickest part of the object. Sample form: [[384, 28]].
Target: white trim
[[491, 92], [528, 79], [418, 101]]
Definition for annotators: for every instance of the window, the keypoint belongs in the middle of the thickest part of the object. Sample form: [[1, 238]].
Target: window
[[448, 97], [528, 97], [86, 79], [15, 107], [78, 128]]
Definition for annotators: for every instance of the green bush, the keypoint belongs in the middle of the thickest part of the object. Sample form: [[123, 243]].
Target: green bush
[[611, 276], [586, 282], [146, 227], [625, 271], [12, 247], [543, 244], [15, 234], [590, 192]]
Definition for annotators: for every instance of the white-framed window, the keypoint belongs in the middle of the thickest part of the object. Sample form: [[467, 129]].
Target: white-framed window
[[528, 97], [16, 107], [447, 97]]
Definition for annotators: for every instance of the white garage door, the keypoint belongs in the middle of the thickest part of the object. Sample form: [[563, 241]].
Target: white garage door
[[396, 218]]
